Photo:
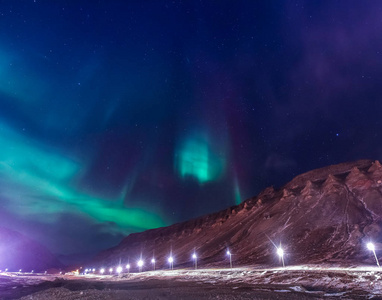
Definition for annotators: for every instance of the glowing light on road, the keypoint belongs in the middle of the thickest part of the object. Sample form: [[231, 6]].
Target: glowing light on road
[[171, 262], [119, 270], [102, 271], [195, 258], [230, 258], [371, 247], [140, 265], [280, 253]]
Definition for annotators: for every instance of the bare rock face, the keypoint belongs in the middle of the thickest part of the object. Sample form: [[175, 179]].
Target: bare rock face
[[19, 252], [325, 215]]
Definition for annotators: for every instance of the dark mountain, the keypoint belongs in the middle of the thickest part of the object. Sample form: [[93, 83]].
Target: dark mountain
[[19, 252], [325, 215]]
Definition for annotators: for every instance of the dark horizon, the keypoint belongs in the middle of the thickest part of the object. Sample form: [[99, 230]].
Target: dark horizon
[[121, 116]]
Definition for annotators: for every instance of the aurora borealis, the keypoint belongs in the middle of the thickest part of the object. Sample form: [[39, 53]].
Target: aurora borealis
[[121, 116]]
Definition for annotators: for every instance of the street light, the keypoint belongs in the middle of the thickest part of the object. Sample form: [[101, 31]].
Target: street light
[[140, 264], [102, 271], [195, 258], [153, 262], [119, 269], [280, 253], [128, 268], [371, 247], [230, 258], [171, 262], [110, 270]]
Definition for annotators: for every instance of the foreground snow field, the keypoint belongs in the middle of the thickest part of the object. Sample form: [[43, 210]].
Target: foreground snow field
[[297, 282]]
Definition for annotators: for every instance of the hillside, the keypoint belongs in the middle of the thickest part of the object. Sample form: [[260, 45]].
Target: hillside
[[325, 215]]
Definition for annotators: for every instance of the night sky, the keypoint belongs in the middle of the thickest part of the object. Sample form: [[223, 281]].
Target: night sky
[[118, 116]]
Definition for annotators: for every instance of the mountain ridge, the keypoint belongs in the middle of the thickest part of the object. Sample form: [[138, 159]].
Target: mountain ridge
[[323, 215]]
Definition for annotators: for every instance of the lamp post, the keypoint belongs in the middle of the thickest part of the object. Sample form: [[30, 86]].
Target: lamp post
[[171, 262], [280, 253], [110, 270], [195, 258], [140, 264], [128, 268], [153, 262], [102, 271], [371, 247], [230, 258], [119, 269]]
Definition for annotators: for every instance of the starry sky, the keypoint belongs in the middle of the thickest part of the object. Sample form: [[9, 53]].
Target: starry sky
[[118, 116]]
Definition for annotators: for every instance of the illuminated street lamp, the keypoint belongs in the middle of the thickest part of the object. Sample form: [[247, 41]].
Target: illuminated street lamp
[[195, 258], [140, 264], [119, 269], [20, 270], [171, 262], [110, 270], [230, 258], [94, 270], [280, 253], [102, 271], [128, 268], [371, 247], [153, 262]]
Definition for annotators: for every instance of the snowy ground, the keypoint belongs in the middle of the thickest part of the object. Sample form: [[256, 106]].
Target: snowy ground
[[297, 282]]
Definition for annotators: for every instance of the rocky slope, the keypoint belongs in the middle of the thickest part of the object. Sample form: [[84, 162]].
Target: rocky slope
[[19, 252], [325, 215]]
